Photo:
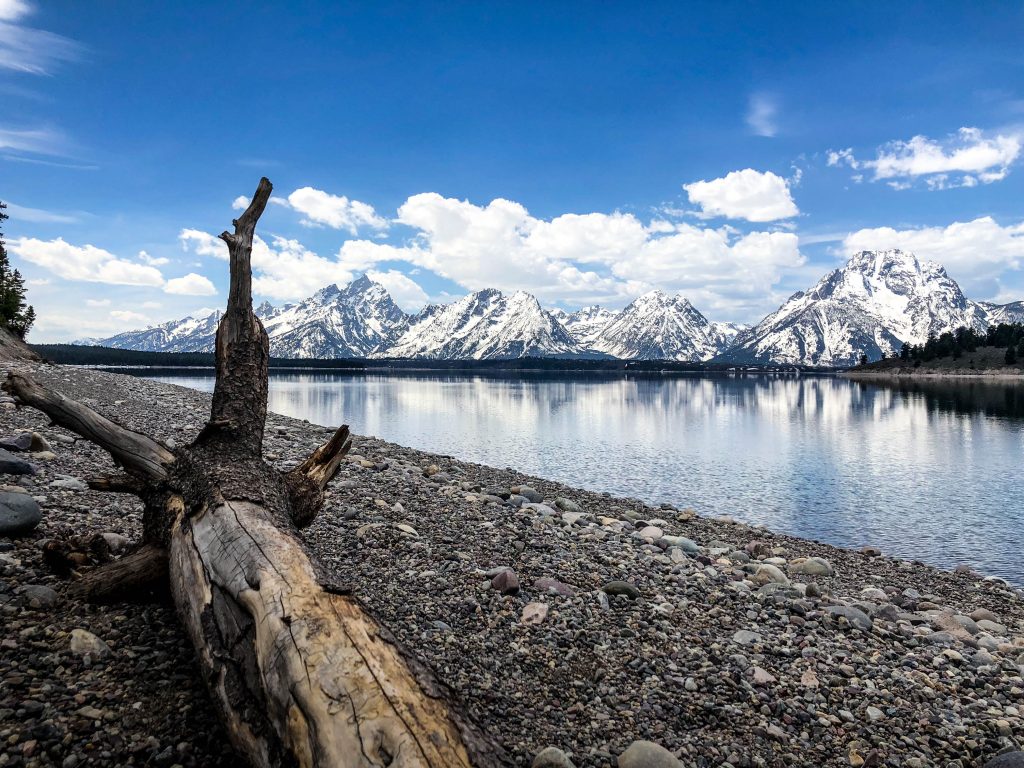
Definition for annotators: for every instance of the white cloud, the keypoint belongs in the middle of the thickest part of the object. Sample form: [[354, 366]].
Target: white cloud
[[87, 262], [977, 253], [43, 141], [282, 269], [153, 261], [126, 316], [191, 284], [406, 292], [964, 159], [338, 212], [747, 194], [240, 203], [29, 50], [12, 10], [762, 112], [571, 259], [38, 215], [97, 302]]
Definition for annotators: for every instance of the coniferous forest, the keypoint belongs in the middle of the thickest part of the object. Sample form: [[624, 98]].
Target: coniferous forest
[[15, 315]]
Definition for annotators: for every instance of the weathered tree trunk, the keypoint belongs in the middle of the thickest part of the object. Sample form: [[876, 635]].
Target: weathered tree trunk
[[301, 673]]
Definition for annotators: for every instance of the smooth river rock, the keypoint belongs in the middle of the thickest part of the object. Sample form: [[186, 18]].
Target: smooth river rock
[[647, 754], [19, 513]]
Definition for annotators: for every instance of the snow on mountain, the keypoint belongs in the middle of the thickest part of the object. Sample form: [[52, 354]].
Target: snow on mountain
[[190, 334], [485, 325], [873, 304], [586, 324], [1003, 313], [334, 322], [657, 326]]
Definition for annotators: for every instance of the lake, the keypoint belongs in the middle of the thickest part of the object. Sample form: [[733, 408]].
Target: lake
[[929, 471]]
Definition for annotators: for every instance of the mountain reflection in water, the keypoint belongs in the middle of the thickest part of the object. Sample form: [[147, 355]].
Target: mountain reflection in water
[[927, 470]]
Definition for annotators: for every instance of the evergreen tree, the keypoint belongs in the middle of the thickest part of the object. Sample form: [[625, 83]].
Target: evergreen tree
[[863, 359], [1011, 355], [15, 315]]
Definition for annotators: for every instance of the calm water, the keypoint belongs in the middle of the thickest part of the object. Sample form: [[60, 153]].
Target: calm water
[[930, 471]]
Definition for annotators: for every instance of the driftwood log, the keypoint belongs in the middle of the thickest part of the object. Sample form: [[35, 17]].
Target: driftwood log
[[300, 672]]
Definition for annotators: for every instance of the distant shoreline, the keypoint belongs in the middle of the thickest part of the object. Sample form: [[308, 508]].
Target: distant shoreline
[[895, 374]]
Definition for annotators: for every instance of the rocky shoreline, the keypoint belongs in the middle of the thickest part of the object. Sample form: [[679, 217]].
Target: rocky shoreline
[[602, 628]]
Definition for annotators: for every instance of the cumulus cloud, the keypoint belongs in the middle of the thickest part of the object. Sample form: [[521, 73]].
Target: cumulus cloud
[[965, 159], [762, 113], [320, 208], [570, 259], [977, 253], [129, 317], [240, 203], [747, 194], [405, 291], [87, 262], [191, 284], [153, 261], [282, 269]]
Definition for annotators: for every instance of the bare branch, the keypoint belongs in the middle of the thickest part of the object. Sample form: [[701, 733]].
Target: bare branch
[[127, 578], [135, 451], [116, 484], [323, 463]]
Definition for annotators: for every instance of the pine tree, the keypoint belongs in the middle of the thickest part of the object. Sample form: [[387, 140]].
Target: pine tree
[[1011, 355], [15, 315], [863, 359]]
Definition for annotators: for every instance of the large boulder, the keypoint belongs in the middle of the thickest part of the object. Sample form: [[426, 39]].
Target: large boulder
[[19, 513], [19, 442], [1007, 760], [647, 754]]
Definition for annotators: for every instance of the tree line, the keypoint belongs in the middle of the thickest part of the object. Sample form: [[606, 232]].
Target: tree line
[[15, 314], [965, 340]]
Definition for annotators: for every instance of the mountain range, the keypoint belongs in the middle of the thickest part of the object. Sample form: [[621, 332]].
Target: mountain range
[[871, 305]]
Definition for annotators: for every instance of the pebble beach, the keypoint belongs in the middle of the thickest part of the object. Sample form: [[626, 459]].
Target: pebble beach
[[576, 627]]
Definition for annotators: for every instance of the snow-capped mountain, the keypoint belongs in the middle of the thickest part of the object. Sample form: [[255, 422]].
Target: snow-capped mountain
[[873, 304], [485, 325], [332, 323], [1003, 313], [190, 334], [351, 322], [657, 326], [586, 324]]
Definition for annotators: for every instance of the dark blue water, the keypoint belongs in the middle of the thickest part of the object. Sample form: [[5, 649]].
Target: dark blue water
[[932, 472]]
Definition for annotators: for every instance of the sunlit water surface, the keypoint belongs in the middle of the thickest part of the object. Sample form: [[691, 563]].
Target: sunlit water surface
[[930, 472]]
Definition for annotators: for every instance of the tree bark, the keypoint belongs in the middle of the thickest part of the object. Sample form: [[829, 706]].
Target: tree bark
[[300, 673]]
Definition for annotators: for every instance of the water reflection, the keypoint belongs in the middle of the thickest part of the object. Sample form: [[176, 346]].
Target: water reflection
[[924, 470]]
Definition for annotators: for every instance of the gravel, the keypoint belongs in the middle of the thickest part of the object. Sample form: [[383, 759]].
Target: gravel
[[700, 640]]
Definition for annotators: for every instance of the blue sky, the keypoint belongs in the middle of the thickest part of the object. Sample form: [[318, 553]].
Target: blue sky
[[586, 152]]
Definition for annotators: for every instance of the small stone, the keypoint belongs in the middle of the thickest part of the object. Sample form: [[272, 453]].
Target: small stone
[[874, 714], [69, 484], [506, 582], [763, 676], [854, 616], [1007, 760], [115, 541], [531, 494], [812, 566], [404, 528], [38, 444], [766, 573], [554, 587], [39, 595], [652, 532], [746, 637], [534, 613], [552, 757], [567, 505], [621, 588], [647, 754], [85, 643]]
